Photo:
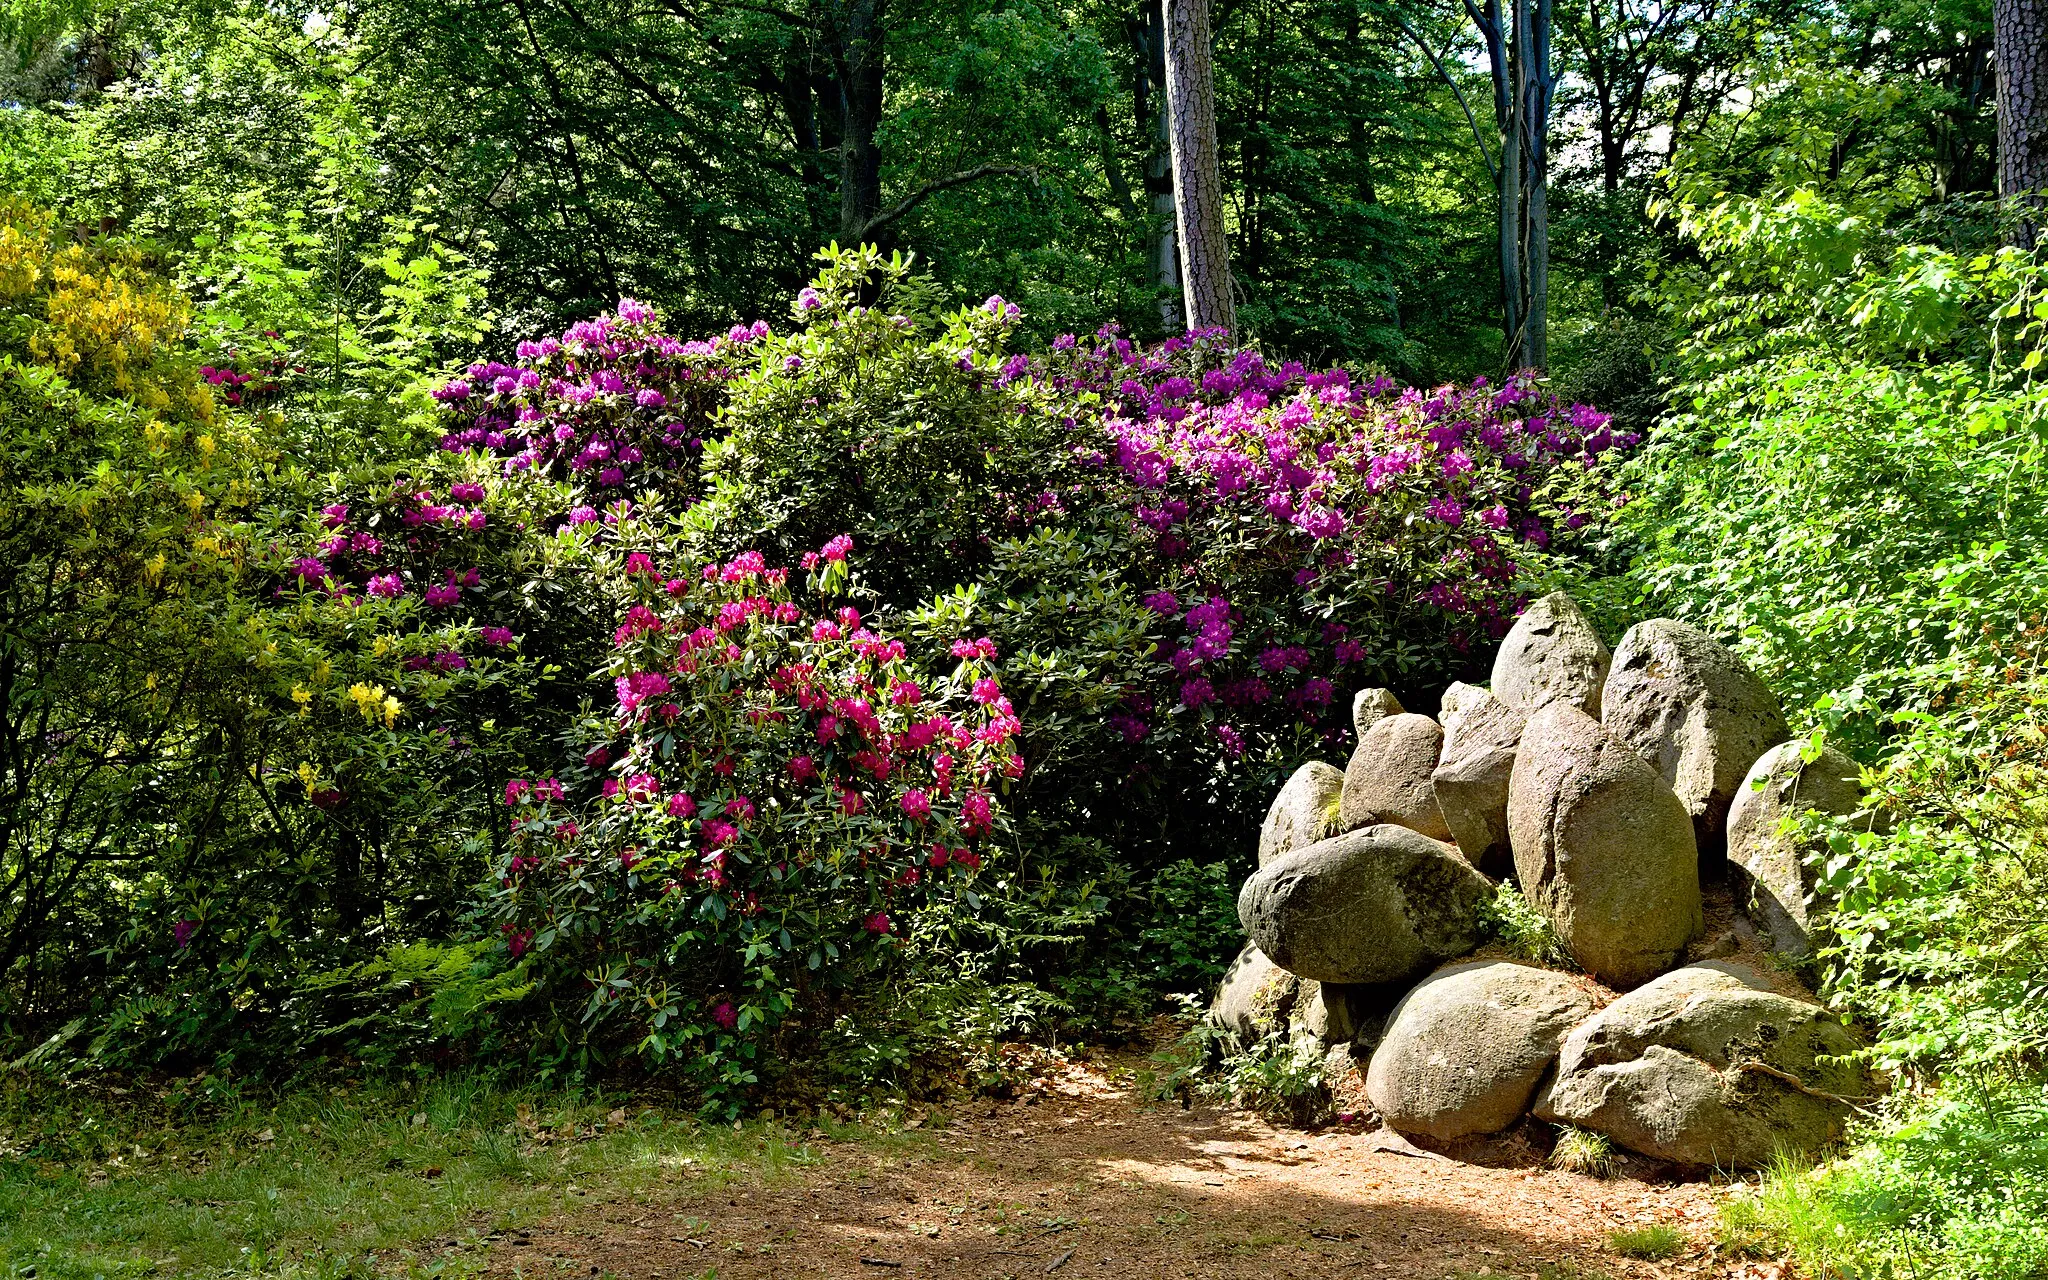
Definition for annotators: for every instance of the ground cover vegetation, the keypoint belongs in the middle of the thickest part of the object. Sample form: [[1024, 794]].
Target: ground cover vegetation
[[482, 587]]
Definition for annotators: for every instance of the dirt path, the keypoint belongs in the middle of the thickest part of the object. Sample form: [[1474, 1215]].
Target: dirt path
[[1085, 1180]]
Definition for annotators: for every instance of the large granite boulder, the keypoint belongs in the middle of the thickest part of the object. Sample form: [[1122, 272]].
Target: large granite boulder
[[1770, 862], [1552, 654], [1304, 812], [1388, 779], [1465, 1050], [1471, 778], [1378, 904], [1256, 998], [1696, 713], [1707, 1066], [1370, 706], [1602, 847]]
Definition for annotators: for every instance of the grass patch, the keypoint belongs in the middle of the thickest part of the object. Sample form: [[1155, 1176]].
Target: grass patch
[[1649, 1244], [1953, 1186], [1583, 1151], [392, 1178]]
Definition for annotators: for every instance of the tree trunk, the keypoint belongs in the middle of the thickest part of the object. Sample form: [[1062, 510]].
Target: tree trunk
[[1536, 230], [1518, 56], [1161, 239], [2021, 28], [1197, 179], [860, 100]]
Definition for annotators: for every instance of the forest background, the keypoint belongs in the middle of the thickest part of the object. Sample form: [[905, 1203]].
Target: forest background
[[247, 837]]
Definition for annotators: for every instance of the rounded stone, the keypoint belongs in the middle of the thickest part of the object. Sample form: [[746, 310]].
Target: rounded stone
[[1471, 777], [1696, 713], [1465, 1050], [1304, 812], [1370, 706], [1379, 904], [1552, 654], [1388, 779], [1771, 862], [1256, 996], [1602, 847], [1707, 1066]]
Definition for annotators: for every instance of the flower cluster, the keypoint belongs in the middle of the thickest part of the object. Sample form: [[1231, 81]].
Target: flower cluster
[[768, 780], [612, 405], [1274, 501]]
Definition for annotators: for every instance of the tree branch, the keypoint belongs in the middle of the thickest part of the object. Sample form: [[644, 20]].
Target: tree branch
[[936, 185], [1485, 151]]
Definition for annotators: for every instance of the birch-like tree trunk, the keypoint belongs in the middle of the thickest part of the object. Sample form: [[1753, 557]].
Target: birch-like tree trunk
[[2021, 31], [1163, 238], [1197, 180], [1524, 87]]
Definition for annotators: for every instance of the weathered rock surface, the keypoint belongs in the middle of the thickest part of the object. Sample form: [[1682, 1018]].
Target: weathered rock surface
[[1696, 713], [1472, 773], [1466, 1049], [1347, 1013], [1707, 1067], [1771, 864], [1551, 655], [1388, 779], [1374, 905], [1256, 996], [1370, 706], [1602, 847], [1304, 812]]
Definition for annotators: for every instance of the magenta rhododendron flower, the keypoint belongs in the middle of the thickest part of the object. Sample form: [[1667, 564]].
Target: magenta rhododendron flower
[[723, 1014], [386, 585], [680, 805], [917, 804]]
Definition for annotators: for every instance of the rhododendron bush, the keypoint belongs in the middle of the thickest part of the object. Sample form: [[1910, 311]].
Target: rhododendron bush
[[772, 790], [1189, 555]]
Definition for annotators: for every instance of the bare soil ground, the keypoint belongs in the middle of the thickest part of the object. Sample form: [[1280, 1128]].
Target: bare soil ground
[[1084, 1178]]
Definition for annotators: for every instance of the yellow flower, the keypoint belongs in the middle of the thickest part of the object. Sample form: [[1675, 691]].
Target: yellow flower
[[304, 697], [369, 699], [310, 776]]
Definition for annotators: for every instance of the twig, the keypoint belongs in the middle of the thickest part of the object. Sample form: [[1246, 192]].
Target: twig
[[1764, 1068], [1060, 1261]]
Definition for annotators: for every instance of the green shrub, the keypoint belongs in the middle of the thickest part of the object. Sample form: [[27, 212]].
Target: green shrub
[[1514, 922]]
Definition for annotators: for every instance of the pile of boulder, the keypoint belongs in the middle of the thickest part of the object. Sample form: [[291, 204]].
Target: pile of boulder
[[1606, 786]]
